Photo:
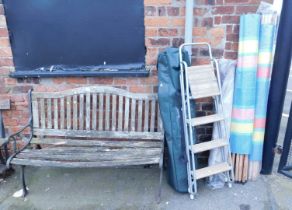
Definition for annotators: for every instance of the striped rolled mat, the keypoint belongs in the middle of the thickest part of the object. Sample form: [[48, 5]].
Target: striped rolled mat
[[265, 60], [244, 103]]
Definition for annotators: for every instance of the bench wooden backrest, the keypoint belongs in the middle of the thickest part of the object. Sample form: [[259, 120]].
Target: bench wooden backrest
[[96, 112]]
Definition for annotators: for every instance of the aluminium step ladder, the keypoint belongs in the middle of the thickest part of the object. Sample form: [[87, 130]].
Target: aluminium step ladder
[[203, 81]]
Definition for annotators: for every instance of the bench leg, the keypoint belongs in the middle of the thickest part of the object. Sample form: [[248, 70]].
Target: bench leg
[[2, 160], [22, 177], [160, 184], [160, 181]]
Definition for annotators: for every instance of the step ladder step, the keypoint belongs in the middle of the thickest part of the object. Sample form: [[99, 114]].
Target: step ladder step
[[212, 170], [206, 119], [205, 94], [205, 146], [203, 82]]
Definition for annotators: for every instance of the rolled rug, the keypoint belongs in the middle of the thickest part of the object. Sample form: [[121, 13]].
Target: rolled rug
[[244, 99]]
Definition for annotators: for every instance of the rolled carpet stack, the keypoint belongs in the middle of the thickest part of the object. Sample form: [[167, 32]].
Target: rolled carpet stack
[[252, 81], [244, 100], [265, 61]]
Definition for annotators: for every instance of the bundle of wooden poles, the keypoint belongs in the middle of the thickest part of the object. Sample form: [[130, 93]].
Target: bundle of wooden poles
[[245, 169]]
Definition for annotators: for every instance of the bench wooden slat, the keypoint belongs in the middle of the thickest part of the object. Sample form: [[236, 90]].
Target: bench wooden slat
[[159, 122], [56, 114], [120, 118], [60, 150], [89, 150], [49, 113], [114, 112], [107, 111], [153, 113], [146, 116], [101, 143], [94, 108], [96, 156], [94, 89], [68, 115], [75, 112], [99, 134], [88, 110], [62, 113], [140, 114], [127, 108], [81, 111], [115, 163], [36, 119], [100, 112], [43, 118], [133, 115]]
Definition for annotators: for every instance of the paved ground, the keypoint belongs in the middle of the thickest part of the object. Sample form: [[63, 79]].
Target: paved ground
[[135, 189]]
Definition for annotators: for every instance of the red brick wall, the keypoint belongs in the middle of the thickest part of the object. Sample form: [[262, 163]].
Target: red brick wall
[[215, 21]]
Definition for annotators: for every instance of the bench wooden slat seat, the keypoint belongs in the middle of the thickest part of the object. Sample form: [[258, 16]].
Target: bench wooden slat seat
[[86, 157], [97, 126], [63, 164], [99, 134], [100, 143]]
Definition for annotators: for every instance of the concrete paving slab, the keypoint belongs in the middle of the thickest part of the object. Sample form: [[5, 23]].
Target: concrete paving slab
[[86, 189]]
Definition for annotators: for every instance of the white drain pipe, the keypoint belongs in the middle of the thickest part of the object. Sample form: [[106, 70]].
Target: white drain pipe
[[189, 24]]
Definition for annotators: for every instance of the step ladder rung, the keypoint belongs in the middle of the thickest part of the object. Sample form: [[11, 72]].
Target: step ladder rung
[[205, 94], [206, 119], [205, 146], [202, 81], [200, 69], [212, 170]]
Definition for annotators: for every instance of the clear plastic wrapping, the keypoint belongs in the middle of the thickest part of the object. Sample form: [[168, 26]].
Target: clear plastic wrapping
[[227, 73]]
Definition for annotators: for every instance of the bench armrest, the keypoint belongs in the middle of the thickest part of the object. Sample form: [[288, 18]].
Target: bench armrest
[[12, 136], [19, 134], [12, 139]]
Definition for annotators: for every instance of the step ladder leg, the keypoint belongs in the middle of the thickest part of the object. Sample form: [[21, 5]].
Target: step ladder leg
[[190, 166], [218, 126], [190, 133], [219, 107], [223, 157], [227, 152], [226, 156], [232, 171]]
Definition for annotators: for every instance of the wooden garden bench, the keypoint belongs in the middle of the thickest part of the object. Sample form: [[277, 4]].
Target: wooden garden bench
[[95, 126]]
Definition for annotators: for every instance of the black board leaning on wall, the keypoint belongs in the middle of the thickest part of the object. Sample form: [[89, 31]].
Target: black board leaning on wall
[[76, 38]]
